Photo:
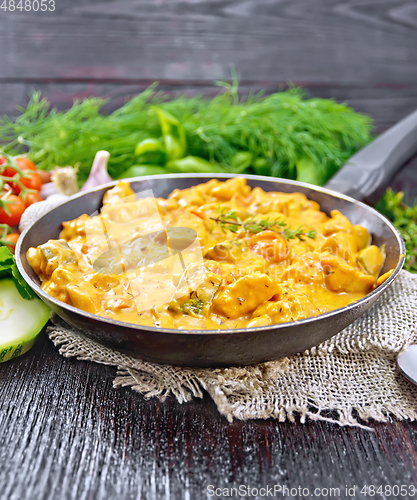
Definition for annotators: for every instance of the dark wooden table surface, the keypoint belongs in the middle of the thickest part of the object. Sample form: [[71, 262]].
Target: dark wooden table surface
[[64, 431]]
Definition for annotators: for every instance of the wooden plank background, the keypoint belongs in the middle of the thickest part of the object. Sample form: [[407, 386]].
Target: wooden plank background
[[327, 41], [64, 431], [362, 52]]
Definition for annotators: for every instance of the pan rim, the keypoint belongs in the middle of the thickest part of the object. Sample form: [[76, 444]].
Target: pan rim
[[219, 332]]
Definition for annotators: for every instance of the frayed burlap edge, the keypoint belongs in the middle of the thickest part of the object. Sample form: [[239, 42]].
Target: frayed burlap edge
[[348, 379]]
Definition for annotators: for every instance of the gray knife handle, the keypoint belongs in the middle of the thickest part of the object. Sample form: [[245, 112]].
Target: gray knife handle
[[369, 171]]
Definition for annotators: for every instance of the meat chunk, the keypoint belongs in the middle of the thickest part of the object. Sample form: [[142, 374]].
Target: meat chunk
[[342, 277], [227, 251], [195, 291], [47, 257], [371, 259], [244, 295]]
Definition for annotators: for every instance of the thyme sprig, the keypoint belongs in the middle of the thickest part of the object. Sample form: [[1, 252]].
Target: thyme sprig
[[232, 222]]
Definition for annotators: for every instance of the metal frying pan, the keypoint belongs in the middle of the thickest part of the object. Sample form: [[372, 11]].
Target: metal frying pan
[[363, 177]]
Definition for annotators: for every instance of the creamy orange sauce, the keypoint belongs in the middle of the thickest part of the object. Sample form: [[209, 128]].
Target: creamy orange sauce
[[233, 278]]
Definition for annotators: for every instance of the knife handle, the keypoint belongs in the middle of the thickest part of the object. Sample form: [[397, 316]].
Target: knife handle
[[368, 172]]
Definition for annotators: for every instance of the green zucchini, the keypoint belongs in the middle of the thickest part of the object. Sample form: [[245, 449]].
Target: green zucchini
[[21, 320]]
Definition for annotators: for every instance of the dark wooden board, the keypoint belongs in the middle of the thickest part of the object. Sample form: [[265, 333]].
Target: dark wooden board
[[66, 433], [304, 40]]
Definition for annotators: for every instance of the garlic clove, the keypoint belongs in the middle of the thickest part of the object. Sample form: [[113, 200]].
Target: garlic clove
[[98, 174]]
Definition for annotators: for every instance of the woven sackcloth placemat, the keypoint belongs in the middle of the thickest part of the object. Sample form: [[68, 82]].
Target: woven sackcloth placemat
[[351, 378], [353, 374]]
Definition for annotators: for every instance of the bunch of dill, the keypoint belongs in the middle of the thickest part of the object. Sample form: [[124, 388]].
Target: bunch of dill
[[284, 134]]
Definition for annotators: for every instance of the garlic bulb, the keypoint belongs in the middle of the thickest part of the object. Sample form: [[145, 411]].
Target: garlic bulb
[[65, 179]]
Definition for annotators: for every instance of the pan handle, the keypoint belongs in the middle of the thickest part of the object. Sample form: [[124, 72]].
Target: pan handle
[[367, 173]]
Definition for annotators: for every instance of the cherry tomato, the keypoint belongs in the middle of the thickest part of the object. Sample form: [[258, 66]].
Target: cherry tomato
[[31, 182], [16, 209], [25, 164], [44, 176], [22, 162], [32, 198], [2, 160], [9, 172], [12, 237]]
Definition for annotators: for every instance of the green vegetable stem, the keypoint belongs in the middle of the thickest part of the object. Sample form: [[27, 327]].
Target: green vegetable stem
[[150, 151], [307, 171], [173, 133], [139, 170], [241, 161], [192, 164]]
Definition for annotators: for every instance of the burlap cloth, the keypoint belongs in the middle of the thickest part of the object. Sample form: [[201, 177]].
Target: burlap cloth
[[348, 379]]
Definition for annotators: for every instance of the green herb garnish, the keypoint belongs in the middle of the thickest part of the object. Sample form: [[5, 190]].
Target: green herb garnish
[[8, 268], [404, 218], [195, 307], [232, 222]]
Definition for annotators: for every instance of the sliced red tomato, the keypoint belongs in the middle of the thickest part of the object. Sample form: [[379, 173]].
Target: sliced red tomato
[[16, 208]]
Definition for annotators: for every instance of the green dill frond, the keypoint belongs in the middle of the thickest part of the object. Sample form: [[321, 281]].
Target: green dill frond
[[283, 134]]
